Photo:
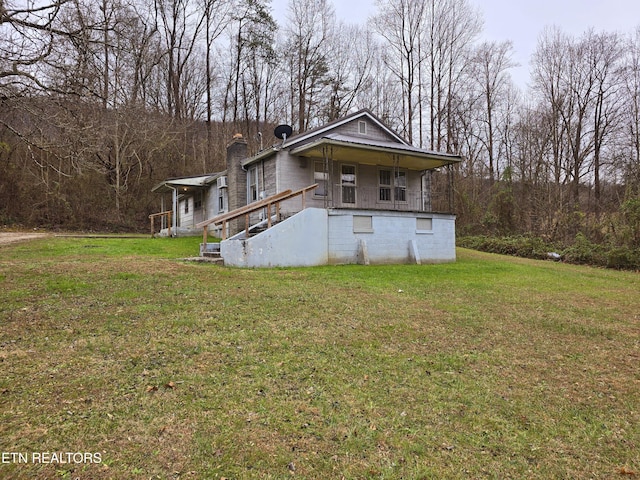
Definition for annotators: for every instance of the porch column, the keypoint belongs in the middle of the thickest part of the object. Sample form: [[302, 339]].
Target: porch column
[[174, 219]]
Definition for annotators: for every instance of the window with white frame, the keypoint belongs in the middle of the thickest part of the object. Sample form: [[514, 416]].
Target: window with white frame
[[384, 185], [222, 207], [400, 182], [348, 183], [252, 180], [392, 180], [321, 177]]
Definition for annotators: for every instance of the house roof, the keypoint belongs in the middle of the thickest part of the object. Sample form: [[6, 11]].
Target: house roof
[[374, 152], [186, 184], [347, 148], [328, 127]]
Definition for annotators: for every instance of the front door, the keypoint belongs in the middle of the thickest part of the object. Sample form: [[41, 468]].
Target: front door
[[348, 184]]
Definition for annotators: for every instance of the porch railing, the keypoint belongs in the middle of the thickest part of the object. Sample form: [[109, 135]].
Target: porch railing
[[153, 216], [387, 198], [247, 210]]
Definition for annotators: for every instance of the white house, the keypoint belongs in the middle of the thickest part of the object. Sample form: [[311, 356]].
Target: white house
[[372, 201]]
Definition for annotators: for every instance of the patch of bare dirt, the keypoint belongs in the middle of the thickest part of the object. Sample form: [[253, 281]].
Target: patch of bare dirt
[[11, 237]]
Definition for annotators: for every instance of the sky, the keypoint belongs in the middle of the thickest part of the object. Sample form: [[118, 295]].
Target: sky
[[521, 21]]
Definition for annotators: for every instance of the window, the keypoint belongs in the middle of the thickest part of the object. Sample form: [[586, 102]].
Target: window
[[221, 202], [388, 181], [384, 185], [401, 186], [186, 206], [424, 224], [197, 202], [362, 128], [362, 224], [320, 177], [252, 179], [348, 182]]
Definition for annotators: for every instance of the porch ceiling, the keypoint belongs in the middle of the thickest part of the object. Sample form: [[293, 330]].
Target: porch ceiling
[[349, 149]]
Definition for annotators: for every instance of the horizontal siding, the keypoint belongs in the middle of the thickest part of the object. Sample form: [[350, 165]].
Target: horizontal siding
[[374, 132], [295, 173]]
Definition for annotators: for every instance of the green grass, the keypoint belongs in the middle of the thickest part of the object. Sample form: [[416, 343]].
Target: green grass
[[491, 367]]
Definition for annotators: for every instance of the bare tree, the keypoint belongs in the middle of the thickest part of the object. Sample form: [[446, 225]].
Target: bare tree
[[252, 63], [401, 24], [453, 27], [310, 26], [605, 59], [180, 23], [28, 33], [491, 61], [353, 49], [549, 63], [631, 137]]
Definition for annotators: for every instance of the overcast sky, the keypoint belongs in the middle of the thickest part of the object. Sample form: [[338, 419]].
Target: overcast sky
[[520, 21]]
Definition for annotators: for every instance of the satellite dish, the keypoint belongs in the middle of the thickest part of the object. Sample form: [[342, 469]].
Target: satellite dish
[[283, 132]]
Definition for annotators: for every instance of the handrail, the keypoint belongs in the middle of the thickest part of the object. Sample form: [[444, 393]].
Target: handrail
[[250, 208], [253, 207], [302, 192], [154, 215]]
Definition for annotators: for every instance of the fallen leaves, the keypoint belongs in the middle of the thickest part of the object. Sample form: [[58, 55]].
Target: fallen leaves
[[626, 471], [155, 388]]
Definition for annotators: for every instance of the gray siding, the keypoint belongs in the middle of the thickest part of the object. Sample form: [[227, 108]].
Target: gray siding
[[295, 173], [374, 132]]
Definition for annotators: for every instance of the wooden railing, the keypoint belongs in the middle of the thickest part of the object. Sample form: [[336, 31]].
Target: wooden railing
[[273, 200], [153, 216]]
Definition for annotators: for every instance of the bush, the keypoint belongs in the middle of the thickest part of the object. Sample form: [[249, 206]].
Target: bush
[[519, 246], [630, 210], [582, 251], [623, 258]]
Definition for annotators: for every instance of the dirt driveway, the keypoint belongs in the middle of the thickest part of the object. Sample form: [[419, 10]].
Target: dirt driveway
[[10, 237]]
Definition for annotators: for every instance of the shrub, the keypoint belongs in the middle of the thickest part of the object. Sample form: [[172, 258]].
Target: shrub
[[583, 251], [623, 258], [630, 210], [520, 246]]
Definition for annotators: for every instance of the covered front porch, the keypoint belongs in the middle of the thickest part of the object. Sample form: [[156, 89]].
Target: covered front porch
[[376, 175]]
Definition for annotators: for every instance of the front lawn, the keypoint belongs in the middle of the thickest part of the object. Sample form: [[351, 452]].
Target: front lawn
[[491, 367]]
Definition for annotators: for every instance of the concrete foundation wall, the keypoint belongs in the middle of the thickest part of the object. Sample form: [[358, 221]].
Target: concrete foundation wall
[[299, 241], [317, 236], [394, 237]]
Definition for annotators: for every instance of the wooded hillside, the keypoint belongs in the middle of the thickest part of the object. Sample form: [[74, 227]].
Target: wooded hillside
[[101, 100]]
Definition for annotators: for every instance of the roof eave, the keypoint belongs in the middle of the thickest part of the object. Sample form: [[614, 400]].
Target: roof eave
[[441, 159], [260, 156], [301, 137]]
